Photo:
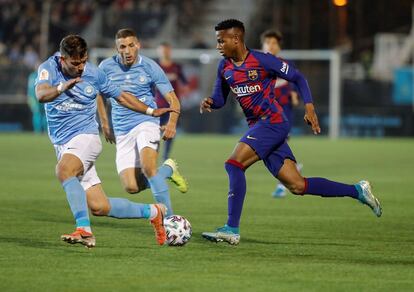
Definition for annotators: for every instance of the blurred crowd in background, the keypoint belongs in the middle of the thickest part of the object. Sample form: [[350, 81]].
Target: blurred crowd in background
[[375, 40]]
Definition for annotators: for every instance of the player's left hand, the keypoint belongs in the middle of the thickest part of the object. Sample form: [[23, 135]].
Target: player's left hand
[[311, 118], [169, 131]]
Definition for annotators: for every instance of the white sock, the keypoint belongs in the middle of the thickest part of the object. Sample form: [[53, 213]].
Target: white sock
[[86, 228], [154, 212]]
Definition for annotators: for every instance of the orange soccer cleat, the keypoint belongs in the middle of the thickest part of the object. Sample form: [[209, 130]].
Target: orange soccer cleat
[[158, 224], [80, 236]]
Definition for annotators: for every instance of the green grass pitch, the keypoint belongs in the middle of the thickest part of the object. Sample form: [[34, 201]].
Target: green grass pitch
[[291, 244]]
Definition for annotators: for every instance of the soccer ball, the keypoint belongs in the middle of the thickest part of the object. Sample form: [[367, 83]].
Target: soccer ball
[[178, 230]]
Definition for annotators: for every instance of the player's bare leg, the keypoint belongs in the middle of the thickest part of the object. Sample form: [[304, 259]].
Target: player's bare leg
[[156, 178], [68, 169], [242, 157], [281, 190], [293, 180], [101, 205], [133, 180], [98, 201]]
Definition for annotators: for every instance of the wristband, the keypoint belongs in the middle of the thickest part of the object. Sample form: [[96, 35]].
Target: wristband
[[149, 111], [59, 88]]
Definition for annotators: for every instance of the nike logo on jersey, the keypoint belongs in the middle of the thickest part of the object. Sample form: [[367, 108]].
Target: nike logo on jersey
[[251, 138], [227, 77], [155, 142]]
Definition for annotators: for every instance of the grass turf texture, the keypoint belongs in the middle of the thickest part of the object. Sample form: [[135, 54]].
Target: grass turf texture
[[296, 243]]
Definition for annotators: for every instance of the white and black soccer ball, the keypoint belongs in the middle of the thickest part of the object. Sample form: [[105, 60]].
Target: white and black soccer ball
[[178, 230]]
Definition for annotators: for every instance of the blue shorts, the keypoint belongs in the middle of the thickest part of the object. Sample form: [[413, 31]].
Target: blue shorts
[[269, 142]]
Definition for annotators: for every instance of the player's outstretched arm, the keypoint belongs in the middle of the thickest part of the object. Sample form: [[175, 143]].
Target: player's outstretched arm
[[311, 118], [171, 127], [47, 93], [129, 101], [103, 117], [205, 105]]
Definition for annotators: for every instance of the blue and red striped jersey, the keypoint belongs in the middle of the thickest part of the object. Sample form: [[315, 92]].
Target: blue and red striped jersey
[[253, 84]]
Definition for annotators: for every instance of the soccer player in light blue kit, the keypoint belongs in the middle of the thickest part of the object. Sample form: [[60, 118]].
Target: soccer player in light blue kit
[[68, 85], [138, 135]]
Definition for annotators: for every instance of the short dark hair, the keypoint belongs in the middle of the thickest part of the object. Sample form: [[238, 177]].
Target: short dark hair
[[124, 33], [272, 34], [230, 23], [73, 46]]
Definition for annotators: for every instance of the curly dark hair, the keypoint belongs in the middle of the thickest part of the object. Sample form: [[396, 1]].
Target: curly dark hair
[[230, 23]]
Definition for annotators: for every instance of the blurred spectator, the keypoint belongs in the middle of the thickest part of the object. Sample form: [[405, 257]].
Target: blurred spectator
[[198, 42], [178, 81], [38, 111], [30, 57]]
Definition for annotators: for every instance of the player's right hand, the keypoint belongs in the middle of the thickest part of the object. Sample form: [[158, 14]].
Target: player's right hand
[[109, 134], [70, 83], [205, 105], [161, 111]]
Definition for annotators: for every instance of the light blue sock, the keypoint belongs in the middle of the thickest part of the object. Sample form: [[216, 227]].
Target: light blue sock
[[165, 171], [77, 201], [123, 208], [160, 191]]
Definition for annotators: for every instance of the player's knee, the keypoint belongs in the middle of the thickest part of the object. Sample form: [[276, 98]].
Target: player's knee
[[231, 163], [297, 187], [64, 172], [149, 171], [131, 189], [100, 210]]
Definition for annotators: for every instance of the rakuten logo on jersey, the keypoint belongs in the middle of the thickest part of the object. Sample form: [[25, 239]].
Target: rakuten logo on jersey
[[246, 89]]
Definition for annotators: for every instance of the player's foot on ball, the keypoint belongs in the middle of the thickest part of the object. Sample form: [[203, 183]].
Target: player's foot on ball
[[367, 197], [223, 234], [279, 192], [80, 236], [176, 177], [158, 224]]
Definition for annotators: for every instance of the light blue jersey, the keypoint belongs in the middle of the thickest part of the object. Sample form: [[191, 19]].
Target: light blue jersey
[[139, 80], [74, 111]]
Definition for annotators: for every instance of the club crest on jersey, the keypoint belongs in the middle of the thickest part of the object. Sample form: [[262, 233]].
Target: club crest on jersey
[[142, 79], [88, 90], [252, 74]]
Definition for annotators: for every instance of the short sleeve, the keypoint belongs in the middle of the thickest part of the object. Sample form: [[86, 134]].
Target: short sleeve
[[45, 74], [159, 78], [107, 88]]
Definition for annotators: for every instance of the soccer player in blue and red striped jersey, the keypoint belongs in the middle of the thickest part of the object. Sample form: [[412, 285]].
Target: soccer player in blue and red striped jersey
[[251, 76], [284, 93]]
